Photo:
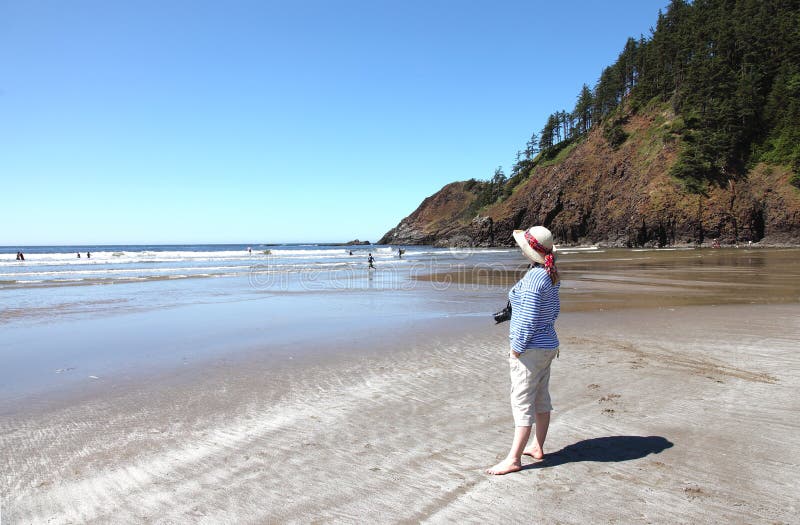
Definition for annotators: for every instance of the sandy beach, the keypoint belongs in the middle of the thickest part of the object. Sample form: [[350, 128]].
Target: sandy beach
[[669, 413], [252, 254]]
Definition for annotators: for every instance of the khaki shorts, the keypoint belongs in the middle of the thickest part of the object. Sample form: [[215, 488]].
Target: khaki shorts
[[530, 385]]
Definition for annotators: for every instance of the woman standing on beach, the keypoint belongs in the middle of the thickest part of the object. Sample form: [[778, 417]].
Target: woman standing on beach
[[534, 308]]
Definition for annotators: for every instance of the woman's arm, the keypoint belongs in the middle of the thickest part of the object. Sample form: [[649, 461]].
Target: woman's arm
[[525, 319]]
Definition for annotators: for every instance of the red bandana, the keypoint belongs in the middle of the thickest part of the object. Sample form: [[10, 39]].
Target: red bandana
[[549, 260]]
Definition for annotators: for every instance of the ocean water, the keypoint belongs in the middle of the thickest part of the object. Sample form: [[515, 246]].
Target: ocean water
[[67, 322], [49, 266], [53, 282]]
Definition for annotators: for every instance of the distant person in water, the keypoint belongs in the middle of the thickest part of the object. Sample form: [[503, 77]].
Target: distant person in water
[[79, 255], [371, 260], [351, 252], [249, 250], [88, 255], [20, 257], [400, 253], [534, 344]]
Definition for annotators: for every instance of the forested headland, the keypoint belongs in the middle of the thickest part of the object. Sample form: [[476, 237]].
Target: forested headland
[[692, 133]]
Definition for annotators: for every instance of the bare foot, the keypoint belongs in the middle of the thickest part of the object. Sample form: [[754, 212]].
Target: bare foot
[[535, 452], [505, 467]]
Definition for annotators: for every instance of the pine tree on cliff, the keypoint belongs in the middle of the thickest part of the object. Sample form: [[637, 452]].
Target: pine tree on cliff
[[722, 65], [583, 109], [551, 133], [532, 146]]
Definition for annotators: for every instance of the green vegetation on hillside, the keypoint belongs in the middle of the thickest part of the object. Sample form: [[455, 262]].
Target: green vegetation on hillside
[[487, 192], [729, 69]]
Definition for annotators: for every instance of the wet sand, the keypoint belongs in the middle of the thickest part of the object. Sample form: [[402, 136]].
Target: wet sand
[[625, 279], [666, 413]]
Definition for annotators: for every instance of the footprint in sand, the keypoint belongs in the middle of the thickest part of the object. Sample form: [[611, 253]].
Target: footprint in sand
[[609, 397], [694, 492]]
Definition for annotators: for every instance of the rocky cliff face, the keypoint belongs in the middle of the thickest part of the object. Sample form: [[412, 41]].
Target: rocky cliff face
[[437, 221], [619, 197]]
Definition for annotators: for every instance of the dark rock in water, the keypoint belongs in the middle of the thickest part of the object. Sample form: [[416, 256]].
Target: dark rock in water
[[356, 242]]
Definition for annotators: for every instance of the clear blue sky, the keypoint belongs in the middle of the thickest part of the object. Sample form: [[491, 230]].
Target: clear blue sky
[[275, 121]]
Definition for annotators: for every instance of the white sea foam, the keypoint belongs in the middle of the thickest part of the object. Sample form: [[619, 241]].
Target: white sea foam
[[569, 251], [339, 252], [133, 257], [126, 265], [125, 257], [121, 271]]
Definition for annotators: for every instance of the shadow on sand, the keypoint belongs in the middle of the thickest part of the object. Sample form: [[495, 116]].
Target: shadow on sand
[[604, 449]]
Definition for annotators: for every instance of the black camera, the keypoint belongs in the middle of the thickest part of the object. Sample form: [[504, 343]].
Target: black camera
[[503, 315]]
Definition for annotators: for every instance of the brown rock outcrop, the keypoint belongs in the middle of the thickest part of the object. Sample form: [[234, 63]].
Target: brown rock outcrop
[[619, 197]]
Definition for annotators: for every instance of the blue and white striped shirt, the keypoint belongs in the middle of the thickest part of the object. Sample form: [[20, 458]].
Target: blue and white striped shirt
[[534, 308]]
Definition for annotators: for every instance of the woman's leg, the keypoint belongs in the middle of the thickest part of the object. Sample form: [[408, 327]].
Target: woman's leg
[[513, 461], [529, 388], [536, 450]]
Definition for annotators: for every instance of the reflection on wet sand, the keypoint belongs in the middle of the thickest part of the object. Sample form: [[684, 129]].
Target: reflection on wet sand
[[657, 278]]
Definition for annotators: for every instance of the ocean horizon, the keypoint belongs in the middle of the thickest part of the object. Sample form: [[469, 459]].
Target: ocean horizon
[[66, 248], [74, 265]]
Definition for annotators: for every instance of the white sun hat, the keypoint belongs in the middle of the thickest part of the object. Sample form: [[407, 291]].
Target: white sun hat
[[542, 236]]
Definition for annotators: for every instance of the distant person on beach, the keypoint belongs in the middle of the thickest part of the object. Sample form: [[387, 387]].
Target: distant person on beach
[[371, 260], [534, 344]]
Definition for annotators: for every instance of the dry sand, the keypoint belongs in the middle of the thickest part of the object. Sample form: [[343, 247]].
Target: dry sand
[[663, 415]]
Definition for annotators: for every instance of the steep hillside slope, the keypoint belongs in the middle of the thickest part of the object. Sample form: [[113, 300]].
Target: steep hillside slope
[[438, 217], [593, 193]]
